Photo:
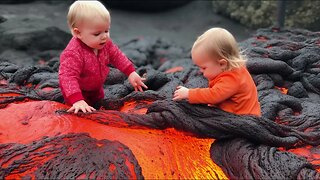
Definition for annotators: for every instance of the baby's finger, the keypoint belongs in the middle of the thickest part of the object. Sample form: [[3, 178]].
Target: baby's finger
[[178, 87], [143, 79], [71, 109], [90, 109], [140, 88], [76, 110], [143, 85], [87, 109], [135, 88], [83, 109], [175, 98]]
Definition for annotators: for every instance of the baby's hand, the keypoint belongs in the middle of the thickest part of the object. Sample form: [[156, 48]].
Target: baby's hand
[[81, 105], [181, 93], [136, 81]]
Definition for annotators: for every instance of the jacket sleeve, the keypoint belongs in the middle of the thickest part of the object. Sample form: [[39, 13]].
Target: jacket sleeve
[[119, 60], [223, 89], [69, 74]]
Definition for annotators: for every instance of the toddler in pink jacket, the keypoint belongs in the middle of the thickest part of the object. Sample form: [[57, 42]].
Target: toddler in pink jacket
[[84, 62]]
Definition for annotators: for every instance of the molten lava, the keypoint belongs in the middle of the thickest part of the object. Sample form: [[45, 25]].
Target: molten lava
[[282, 89], [161, 154], [311, 153], [175, 69]]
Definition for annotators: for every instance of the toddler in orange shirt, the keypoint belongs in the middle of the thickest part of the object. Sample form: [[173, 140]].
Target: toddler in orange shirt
[[231, 87]]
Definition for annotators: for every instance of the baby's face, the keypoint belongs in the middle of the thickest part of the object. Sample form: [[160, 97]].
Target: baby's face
[[209, 66], [94, 33]]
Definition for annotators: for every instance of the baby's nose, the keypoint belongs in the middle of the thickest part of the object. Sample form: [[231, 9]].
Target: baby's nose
[[105, 36]]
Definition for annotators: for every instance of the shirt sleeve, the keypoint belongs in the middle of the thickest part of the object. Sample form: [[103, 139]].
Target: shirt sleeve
[[69, 74], [226, 86], [119, 60]]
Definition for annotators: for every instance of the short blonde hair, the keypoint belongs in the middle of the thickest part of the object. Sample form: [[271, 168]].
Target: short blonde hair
[[220, 42], [86, 10]]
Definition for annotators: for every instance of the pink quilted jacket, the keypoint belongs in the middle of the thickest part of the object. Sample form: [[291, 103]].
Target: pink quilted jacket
[[82, 73]]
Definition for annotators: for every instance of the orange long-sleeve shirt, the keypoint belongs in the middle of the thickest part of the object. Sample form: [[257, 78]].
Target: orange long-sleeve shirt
[[232, 91]]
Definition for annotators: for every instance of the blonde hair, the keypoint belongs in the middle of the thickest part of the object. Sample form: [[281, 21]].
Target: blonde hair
[[86, 10], [220, 42]]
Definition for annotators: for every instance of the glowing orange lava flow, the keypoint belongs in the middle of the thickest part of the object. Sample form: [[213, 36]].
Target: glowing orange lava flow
[[135, 107], [162, 154], [8, 95], [282, 89], [311, 153], [174, 69]]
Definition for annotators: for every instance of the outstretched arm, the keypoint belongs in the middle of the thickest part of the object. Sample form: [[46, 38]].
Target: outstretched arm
[[121, 62], [69, 74], [223, 89]]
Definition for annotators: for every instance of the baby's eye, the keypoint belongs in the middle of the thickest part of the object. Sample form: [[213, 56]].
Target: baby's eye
[[96, 34], [107, 31]]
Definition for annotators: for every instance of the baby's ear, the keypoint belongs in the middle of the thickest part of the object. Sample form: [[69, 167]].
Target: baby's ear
[[223, 63], [76, 33]]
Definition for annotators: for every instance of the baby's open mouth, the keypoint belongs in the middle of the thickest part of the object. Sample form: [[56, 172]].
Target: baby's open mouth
[[102, 43]]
